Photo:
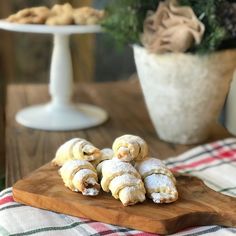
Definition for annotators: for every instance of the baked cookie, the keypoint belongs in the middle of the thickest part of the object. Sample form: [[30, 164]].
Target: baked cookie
[[87, 16], [34, 15], [61, 15]]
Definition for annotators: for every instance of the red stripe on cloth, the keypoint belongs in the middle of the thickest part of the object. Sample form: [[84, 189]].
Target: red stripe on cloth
[[228, 153], [231, 154], [99, 227], [6, 200]]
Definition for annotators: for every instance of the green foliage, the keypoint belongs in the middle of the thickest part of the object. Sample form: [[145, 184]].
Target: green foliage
[[125, 18], [214, 34], [125, 21]]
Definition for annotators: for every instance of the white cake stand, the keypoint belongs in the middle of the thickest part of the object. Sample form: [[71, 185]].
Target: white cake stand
[[60, 114]]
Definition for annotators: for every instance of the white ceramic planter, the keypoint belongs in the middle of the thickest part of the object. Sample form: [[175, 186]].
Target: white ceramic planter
[[184, 93]]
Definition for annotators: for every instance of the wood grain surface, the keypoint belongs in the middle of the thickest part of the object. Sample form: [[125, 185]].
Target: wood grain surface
[[2, 133], [6, 73], [28, 149], [197, 204]]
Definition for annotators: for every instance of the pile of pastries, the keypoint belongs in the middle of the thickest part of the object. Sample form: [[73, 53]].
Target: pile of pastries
[[63, 14], [126, 170]]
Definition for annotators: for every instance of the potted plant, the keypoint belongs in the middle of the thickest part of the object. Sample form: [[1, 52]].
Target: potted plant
[[183, 55]]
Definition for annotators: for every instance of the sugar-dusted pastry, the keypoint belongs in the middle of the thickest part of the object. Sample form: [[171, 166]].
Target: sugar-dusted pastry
[[123, 181], [80, 176], [106, 154], [158, 180], [34, 15], [87, 16], [61, 15], [76, 149], [130, 148]]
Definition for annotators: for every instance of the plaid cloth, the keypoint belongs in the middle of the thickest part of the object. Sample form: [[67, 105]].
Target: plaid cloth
[[215, 163]]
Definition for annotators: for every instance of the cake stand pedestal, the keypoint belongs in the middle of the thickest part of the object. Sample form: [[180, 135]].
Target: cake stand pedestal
[[60, 114]]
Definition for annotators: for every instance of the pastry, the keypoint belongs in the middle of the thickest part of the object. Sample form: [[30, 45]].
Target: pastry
[[34, 15], [61, 15], [80, 176], [123, 181], [106, 154], [158, 180], [76, 149], [87, 16], [130, 148], [62, 9]]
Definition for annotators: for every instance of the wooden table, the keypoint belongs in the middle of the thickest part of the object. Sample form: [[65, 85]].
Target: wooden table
[[2, 133], [28, 149]]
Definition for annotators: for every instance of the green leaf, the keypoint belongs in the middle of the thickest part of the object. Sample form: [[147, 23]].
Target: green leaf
[[125, 21]]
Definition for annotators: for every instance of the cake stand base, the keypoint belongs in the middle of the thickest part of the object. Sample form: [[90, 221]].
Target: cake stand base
[[61, 118]]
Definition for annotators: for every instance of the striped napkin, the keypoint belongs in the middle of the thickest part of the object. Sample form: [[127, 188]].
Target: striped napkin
[[215, 163]]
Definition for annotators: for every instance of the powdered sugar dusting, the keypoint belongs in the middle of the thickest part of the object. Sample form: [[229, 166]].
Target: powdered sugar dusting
[[90, 192], [162, 197], [160, 188], [125, 180], [114, 166], [157, 181], [131, 195], [148, 164]]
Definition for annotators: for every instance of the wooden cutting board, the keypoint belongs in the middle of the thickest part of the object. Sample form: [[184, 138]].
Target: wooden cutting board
[[197, 204]]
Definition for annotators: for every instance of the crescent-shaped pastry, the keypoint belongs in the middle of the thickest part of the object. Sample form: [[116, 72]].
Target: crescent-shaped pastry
[[106, 154], [76, 149], [158, 180], [114, 168], [151, 166], [130, 148], [80, 176], [160, 188], [124, 182]]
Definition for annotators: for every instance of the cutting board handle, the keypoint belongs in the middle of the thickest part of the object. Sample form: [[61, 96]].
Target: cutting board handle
[[220, 209]]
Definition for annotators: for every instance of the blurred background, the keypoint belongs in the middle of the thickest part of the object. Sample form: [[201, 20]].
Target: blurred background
[[25, 58]]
